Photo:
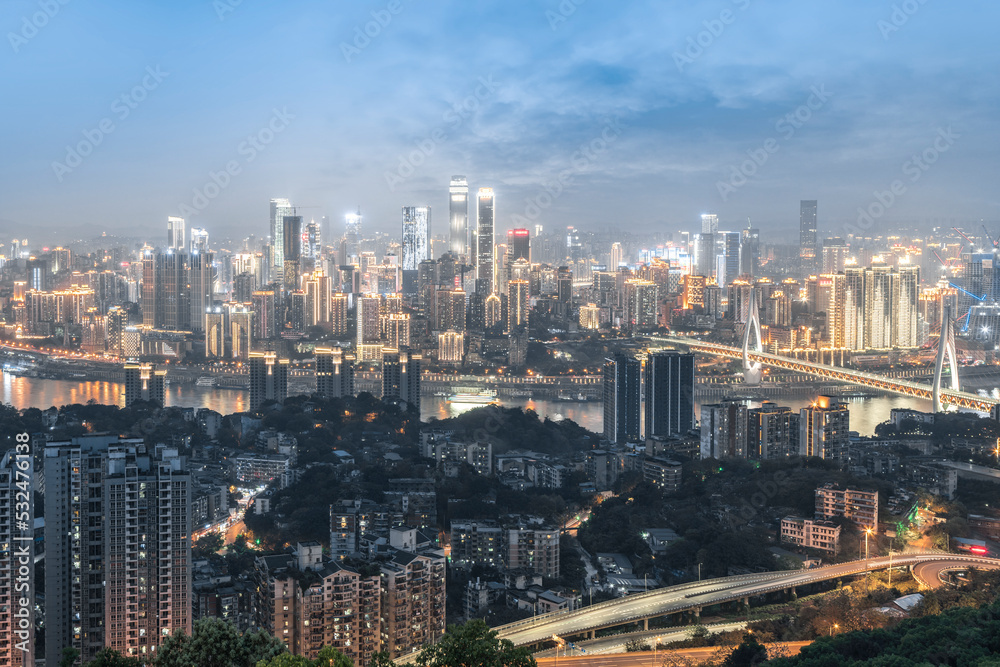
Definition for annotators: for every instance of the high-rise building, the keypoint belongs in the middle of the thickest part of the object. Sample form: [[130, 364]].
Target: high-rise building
[[730, 242], [824, 429], [279, 209], [724, 430], [640, 313], [144, 383], [176, 239], [292, 251], [416, 236], [352, 236], [617, 256], [451, 347], [485, 264], [199, 281], [369, 323], [533, 549], [834, 255], [401, 377], [265, 316], [669, 393], [518, 305], [199, 240], [338, 314], [518, 245], [807, 229], [117, 546], [268, 378], [704, 255], [413, 601], [334, 373], [621, 398], [750, 253], [709, 223], [458, 209], [772, 432]]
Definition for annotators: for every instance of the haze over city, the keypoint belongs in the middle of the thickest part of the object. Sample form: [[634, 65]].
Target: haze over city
[[378, 106]]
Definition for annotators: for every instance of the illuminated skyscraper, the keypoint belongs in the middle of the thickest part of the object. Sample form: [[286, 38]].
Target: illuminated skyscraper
[[175, 234], [824, 429], [807, 229], [279, 209], [268, 378], [144, 383], [518, 305], [485, 266], [709, 224], [292, 252], [416, 236], [518, 245], [458, 209], [334, 373], [352, 235]]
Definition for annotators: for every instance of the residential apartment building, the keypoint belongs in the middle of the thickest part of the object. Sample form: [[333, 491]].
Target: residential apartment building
[[822, 535], [860, 507]]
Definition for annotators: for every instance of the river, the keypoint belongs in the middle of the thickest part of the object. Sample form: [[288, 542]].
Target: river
[[23, 392]]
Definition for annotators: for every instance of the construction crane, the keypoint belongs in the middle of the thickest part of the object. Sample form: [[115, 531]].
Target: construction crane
[[994, 241]]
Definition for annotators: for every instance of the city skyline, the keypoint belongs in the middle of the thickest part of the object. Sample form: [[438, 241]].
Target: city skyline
[[672, 103]]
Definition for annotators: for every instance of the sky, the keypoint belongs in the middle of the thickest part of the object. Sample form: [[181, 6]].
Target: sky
[[631, 115]]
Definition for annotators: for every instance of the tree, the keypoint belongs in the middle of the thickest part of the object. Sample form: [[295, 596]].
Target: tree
[[750, 652], [216, 643], [107, 657], [69, 656], [381, 659], [474, 645]]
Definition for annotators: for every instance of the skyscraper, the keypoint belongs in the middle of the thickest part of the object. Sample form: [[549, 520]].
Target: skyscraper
[[352, 235], [486, 216], [416, 236], [292, 252], [621, 398], [117, 546], [144, 383], [279, 209], [334, 373], [724, 430], [175, 234], [807, 229], [401, 377], [268, 378], [669, 393], [458, 209], [709, 223], [750, 253], [518, 245], [824, 429]]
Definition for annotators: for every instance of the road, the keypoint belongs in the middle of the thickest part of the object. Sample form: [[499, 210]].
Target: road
[[929, 574], [616, 643], [647, 658], [694, 596]]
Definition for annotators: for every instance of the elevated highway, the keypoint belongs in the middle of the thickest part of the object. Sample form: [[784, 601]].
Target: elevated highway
[[693, 597], [899, 386]]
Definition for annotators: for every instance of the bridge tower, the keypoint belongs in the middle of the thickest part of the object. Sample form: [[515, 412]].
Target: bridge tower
[[752, 370], [946, 345]]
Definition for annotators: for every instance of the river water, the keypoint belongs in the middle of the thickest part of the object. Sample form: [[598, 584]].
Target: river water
[[24, 392]]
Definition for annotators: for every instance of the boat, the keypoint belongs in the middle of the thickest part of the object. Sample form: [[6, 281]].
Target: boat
[[205, 381], [479, 398]]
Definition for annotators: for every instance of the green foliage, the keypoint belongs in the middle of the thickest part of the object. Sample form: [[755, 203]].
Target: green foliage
[[750, 652], [473, 645], [107, 657], [68, 657], [962, 636], [328, 657], [514, 428], [208, 545], [216, 643]]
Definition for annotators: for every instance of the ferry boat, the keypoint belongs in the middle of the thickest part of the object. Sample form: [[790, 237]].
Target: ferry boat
[[205, 381], [480, 398]]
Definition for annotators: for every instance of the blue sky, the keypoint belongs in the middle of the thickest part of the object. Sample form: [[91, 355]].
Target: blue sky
[[665, 125]]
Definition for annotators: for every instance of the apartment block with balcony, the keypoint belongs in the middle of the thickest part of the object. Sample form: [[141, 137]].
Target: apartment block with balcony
[[857, 506], [811, 534]]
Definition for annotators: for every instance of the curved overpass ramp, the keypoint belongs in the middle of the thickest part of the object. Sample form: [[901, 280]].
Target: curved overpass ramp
[[695, 596]]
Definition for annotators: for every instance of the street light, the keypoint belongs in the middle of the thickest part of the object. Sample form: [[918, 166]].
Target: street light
[[868, 531], [655, 642]]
